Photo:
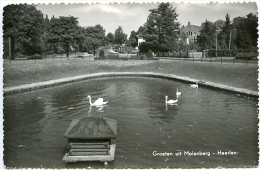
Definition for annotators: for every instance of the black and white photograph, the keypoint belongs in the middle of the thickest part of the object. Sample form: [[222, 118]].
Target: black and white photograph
[[130, 85]]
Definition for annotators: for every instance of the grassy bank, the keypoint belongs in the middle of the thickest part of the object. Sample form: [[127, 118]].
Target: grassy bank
[[238, 75]]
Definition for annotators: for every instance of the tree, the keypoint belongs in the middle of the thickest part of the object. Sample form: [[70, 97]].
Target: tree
[[224, 40], [207, 37], [161, 25], [246, 31], [243, 39], [95, 37], [23, 22], [219, 24], [110, 38], [132, 39], [64, 30], [141, 30], [251, 26], [120, 36]]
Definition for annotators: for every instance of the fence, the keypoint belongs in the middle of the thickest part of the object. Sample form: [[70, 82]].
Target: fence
[[185, 54], [223, 56], [55, 57], [238, 54]]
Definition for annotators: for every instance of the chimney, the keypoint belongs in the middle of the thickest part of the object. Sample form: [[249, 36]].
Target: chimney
[[188, 23]]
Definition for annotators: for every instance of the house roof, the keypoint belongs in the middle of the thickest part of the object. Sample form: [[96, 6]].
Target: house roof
[[190, 28], [198, 27], [92, 128]]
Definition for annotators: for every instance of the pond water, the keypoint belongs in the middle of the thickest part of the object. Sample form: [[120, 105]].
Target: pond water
[[195, 132]]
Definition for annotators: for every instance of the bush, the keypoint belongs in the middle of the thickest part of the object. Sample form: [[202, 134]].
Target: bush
[[247, 55], [35, 56], [19, 55], [146, 46]]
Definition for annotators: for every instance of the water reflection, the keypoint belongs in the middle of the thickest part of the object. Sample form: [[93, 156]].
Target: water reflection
[[98, 108], [166, 105]]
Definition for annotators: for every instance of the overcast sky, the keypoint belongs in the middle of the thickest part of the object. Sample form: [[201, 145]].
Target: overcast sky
[[131, 16]]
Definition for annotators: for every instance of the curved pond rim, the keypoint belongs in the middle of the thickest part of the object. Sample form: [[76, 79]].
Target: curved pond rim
[[51, 83]]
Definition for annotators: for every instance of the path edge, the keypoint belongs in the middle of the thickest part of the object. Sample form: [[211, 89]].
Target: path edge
[[51, 83]]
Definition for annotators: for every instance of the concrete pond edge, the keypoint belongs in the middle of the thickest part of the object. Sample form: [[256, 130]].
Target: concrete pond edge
[[51, 83]]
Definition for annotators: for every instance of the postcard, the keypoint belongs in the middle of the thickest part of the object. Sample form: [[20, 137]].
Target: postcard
[[140, 85]]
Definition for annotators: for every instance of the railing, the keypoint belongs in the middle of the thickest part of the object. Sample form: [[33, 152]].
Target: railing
[[238, 54], [55, 57], [223, 56]]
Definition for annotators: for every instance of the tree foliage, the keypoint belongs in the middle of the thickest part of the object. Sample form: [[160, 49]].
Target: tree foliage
[[95, 37], [23, 23], [225, 37], [161, 25], [64, 30], [132, 41], [110, 38], [207, 36], [120, 36]]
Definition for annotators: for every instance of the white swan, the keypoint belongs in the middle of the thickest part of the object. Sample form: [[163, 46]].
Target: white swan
[[178, 93], [194, 85], [170, 101], [98, 102]]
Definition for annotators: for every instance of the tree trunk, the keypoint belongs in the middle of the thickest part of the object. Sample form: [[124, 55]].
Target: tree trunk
[[67, 49], [94, 50], [11, 48]]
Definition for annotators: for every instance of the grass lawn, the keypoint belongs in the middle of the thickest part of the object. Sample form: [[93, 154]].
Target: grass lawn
[[26, 72]]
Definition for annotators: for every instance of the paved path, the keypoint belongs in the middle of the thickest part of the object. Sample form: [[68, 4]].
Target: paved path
[[45, 84]]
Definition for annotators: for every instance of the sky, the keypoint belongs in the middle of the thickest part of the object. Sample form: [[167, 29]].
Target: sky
[[130, 16]]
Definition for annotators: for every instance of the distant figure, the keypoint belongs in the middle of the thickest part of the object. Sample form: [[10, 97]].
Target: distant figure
[[150, 54]]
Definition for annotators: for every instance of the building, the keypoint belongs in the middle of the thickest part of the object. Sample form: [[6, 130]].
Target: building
[[192, 32], [140, 39]]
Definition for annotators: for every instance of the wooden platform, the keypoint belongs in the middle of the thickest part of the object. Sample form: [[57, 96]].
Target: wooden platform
[[103, 152]]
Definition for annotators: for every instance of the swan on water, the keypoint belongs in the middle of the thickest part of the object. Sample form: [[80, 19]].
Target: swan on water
[[170, 101], [194, 85], [98, 102], [178, 93]]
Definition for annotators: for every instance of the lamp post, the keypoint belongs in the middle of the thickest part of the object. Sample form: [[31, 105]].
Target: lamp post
[[216, 46], [230, 38]]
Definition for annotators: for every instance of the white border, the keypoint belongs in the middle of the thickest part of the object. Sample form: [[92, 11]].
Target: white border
[[6, 2]]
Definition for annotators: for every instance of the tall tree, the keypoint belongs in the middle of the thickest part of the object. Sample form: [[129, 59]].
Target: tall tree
[[225, 34], [219, 24], [23, 22], [141, 30], [132, 39], [120, 36], [64, 30], [251, 25], [110, 38], [207, 36], [243, 39], [162, 24], [95, 37]]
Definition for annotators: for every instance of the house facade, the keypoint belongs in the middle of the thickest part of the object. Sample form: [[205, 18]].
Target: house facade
[[192, 32], [139, 39]]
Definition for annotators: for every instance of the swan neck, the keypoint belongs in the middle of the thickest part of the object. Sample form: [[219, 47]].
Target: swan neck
[[90, 100]]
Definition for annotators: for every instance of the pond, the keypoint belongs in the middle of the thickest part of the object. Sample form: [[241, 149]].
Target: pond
[[206, 128]]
